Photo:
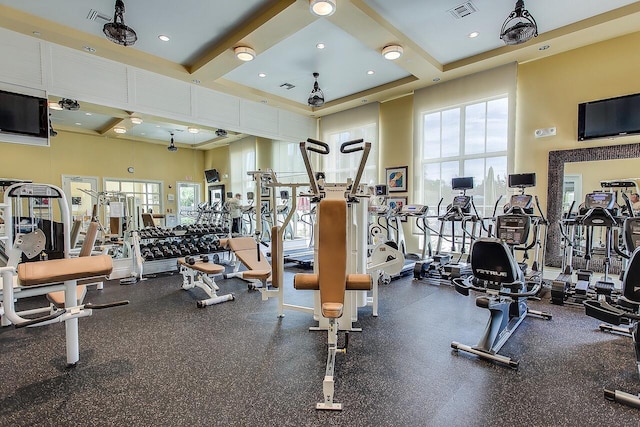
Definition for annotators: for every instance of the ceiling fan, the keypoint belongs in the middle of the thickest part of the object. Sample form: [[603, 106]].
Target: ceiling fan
[[172, 146], [117, 31]]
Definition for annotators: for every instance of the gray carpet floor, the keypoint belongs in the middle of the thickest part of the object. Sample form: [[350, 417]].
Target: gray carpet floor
[[160, 361]]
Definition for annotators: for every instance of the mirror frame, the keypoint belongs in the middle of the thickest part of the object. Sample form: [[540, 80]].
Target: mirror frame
[[557, 160]]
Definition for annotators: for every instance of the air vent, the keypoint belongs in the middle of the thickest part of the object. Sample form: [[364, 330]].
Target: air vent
[[287, 86], [101, 17], [465, 9]]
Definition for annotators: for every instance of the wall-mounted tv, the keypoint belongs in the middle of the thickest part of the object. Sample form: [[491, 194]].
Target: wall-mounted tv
[[23, 115], [211, 175], [609, 117]]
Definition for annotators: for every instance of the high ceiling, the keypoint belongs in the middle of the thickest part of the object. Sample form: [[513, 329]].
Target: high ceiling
[[285, 35]]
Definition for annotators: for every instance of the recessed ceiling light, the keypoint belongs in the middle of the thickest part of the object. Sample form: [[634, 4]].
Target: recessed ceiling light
[[370, 72], [142, 133], [119, 130], [164, 38], [54, 106], [262, 75], [392, 52], [244, 53], [193, 130], [78, 124], [136, 120], [322, 7], [320, 45], [544, 47], [89, 49], [473, 35], [88, 114]]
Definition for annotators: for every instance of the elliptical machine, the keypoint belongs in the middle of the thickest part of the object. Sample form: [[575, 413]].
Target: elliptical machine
[[497, 274]]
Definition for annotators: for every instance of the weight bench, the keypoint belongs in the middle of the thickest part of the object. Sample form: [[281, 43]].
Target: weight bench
[[248, 252], [42, 277], [332, 280], [202, 275]]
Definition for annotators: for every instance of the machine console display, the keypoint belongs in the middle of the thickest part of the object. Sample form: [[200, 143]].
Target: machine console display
[[462, 202], [513, 229], [523, 201], [599, 200], [414, 210]]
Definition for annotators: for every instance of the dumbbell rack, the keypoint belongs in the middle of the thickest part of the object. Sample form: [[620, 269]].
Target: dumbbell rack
[[160, 248]]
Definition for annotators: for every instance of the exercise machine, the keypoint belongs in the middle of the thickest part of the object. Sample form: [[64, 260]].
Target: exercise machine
[[625, 312], [461, 211], [496, 273], [336, 273], [39, 262], [598, 212], [200, 273]]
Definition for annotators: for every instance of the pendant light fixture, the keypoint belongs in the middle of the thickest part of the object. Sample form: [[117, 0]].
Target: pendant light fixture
[[316, 97], [519, 27]]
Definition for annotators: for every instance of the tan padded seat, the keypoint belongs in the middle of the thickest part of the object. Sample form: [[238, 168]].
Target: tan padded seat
[[60, 270], [57, 298], [246, 251], [332, 310], [203, 267]]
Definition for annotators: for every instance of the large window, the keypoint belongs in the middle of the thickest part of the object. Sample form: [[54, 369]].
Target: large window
[[466, 140], [242, 155], [147, 194], [338, 167], [287, 162]]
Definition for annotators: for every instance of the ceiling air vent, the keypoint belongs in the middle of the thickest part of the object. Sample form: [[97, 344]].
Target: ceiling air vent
[[94, 15], [464, 9], [287, 86]]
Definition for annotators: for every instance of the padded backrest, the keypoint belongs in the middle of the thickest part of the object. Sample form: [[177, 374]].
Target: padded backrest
[[90, 239], [332, 250], [147, 220], [75, 233], [492, 261], [631, 279], [246, 250], [275, 255]]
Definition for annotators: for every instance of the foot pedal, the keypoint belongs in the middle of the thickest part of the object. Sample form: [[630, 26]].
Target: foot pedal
[[582, 286], [604, 288]]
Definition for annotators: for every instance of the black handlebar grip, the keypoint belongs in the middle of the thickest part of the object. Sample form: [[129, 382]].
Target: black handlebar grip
[[324, 145], [345, 150], [39, 319]]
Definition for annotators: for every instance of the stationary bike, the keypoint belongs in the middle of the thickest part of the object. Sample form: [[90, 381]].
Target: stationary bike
[[496, 273]]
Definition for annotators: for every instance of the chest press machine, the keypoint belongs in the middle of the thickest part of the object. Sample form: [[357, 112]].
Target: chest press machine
[[335, 271], [46, 277]]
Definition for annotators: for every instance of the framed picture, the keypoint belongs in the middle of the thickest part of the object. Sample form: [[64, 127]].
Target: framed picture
[[396, 179], [397, 203], [265, 192]]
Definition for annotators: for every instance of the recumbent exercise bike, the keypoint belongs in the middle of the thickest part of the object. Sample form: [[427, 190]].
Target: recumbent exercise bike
[[496, 273]]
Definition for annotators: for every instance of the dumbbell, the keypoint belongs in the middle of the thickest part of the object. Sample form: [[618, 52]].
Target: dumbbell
[[190, 260]]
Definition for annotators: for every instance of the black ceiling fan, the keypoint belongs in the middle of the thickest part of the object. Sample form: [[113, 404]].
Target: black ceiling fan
[[172, 146], [117, 31]]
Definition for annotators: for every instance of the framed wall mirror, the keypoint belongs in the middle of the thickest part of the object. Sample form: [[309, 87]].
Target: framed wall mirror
[[556, 172]]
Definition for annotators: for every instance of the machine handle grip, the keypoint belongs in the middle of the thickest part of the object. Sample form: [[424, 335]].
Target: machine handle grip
[[39, 319], [106, 305], [324, 147], [344, 148]]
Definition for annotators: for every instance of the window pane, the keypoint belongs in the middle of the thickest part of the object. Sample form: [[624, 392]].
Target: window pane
[[112, 186], [497, 124], [451, 133], [126, 187], [431, 145], [474, 128]]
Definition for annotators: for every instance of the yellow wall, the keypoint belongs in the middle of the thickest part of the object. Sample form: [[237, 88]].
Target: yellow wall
[[87, 155], [550, 89], [396, 137]]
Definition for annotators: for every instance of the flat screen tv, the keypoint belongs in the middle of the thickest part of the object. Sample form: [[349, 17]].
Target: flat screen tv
[[211, 175], [23, 115], [463, 183], [609, 117], [522, 180]]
